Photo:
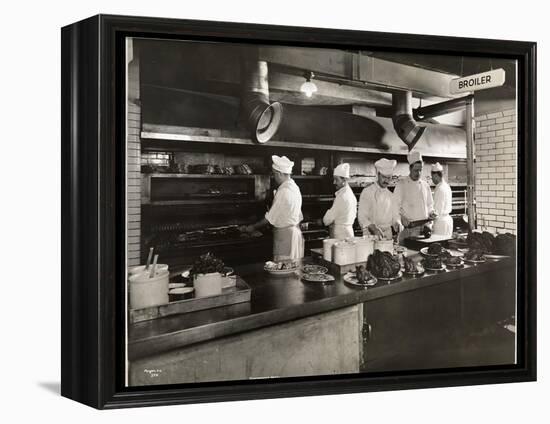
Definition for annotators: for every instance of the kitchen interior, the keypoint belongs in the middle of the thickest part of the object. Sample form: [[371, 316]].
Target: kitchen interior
[[199, 165]]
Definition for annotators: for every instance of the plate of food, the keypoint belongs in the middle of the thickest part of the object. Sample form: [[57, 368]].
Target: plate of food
[[454, 262], [433, 250], [281, 268], [433, 264], [413, 268], [360, 278], [318, 278], [384, 266], [314, 269], [474, 257]]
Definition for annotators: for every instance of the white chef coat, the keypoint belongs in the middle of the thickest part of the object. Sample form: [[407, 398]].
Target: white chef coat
[[443, 204], [413, 199], [341, 215], [377, 206], [285, 215]]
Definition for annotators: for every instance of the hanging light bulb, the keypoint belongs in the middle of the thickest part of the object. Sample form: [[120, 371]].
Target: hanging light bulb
[[308, 87]]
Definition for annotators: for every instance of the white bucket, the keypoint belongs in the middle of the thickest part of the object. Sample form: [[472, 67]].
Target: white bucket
[[344, 253], [141, 268], [384, 245], [145, 291], [364, 248], [327, 248], [208, 284]]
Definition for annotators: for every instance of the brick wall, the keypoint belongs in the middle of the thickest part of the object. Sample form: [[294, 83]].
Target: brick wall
[[495, 149], [133, 146]]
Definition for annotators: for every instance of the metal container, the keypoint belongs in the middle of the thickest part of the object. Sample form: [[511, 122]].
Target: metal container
[[327, 248], [364, 248], [344, 252]]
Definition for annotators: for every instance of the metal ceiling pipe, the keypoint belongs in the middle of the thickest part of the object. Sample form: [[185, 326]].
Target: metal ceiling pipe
[[257, 114], [408, 130]]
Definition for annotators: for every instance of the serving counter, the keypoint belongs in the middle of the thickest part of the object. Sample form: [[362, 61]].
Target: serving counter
[[294, 328]]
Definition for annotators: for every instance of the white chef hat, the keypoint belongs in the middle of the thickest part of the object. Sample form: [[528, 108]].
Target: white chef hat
[[436, 167], [414, 157], [282, 164], [342, 170], [385, 166]]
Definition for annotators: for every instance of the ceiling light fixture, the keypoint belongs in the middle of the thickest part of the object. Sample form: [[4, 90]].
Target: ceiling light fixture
[[308, 87]]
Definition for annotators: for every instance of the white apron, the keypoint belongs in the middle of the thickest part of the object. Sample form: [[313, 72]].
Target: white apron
[[341, 231], [288, 243], [443, 226]]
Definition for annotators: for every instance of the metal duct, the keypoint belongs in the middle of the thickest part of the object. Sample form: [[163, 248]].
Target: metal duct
[[406, 127], [257, 114]]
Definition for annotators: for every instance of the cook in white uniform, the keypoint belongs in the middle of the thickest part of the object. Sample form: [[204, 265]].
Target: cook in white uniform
[[413, 199], [443, 203], [285, 213], [377, 213], [341, 216]]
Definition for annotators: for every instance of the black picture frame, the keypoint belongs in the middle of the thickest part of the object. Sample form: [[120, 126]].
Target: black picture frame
[[93, 199]]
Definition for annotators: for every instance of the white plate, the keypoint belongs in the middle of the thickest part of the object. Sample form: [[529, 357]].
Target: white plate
[[351, 278], [414, 274], [469, 261], [397, 277], [443, 267], [424, 251], [460, 265], [318, 278], [314, 269], [281, 271]]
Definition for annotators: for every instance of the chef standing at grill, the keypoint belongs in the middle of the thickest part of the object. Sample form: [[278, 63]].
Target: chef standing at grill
[[443, 203], [377, 213], [341, 216], [285, 213], [413, 199]]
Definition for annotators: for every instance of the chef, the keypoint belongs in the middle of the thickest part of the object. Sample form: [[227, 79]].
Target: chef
[[285, 213], [377, 214], [443, 199], [413, 199], [341, 216]]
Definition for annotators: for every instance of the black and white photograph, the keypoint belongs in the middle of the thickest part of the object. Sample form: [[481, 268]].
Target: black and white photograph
[[310, 212]]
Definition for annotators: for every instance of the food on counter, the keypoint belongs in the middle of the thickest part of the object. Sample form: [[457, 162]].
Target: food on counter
[[253, 234], [412, 267], [435, 249], [453, 260], [318, 278], [314, 269], [433, 262], [505, 244], [280, 266], [474, 255], [383, 264], [207, 264], [485, 242], [362, 275]]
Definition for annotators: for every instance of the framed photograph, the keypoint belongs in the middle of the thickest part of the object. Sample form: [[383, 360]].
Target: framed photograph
[[253, 211]]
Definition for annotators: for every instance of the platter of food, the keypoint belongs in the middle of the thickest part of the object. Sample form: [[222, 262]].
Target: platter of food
[[494, 257], [384, 266], [318, 278], [360, 278], [454, 262], [434, 250], [412, 268], [314, 269], [281, 268], [433, 264], [474, 257]]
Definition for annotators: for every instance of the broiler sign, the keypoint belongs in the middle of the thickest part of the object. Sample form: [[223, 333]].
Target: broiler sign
[[489, 79]]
